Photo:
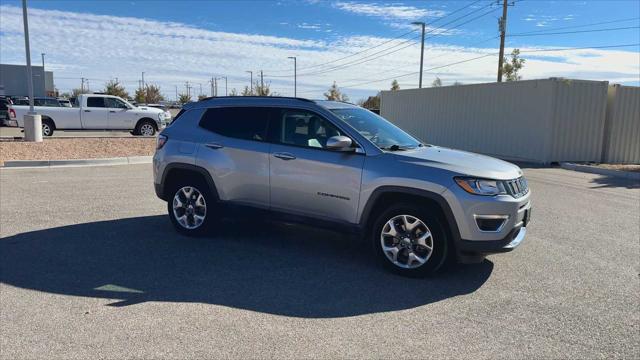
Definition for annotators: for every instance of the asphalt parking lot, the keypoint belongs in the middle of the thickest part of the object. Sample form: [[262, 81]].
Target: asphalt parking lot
[[91, 268]]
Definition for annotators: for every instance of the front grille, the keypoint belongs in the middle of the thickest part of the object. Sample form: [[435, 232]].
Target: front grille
[[517, 187]]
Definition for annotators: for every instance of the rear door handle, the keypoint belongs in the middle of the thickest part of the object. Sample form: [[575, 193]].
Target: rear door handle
[[214, 146], [111, 111], [87, 111], [284, 156]]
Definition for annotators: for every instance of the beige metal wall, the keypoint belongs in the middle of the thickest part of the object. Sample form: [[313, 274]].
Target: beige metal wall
[[622, 126], [537, 120]]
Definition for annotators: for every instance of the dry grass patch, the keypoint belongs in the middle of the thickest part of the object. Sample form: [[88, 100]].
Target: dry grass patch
[[76, 148]]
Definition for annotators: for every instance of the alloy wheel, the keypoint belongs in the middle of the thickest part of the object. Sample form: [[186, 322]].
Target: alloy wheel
[[46, 130], [146, 129], [406, 241], [189, 207]]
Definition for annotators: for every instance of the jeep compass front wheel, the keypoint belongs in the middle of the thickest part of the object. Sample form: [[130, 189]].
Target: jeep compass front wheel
[[190, 208], [410, 241]]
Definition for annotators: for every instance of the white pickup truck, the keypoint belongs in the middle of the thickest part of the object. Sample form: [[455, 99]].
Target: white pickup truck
[[96, 112]]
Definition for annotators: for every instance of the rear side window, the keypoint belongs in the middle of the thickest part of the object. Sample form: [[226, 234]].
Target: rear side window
[[248, 123], [96, 102]]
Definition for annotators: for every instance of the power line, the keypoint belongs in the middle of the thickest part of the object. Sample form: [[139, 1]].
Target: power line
[[387, 41], [372, 56], [581, 26], [576, 31], [493, 54]]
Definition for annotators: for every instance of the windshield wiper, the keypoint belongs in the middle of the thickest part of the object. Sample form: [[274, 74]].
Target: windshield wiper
[[396, 147]]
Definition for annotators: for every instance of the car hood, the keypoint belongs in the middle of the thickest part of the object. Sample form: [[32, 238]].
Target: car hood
[[461, 162], [149, 109]]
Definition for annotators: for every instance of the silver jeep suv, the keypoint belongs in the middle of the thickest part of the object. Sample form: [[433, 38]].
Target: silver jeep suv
[[338, 164]]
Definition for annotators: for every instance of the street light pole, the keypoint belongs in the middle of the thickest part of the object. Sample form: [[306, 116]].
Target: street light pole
[[295, 75], [44, 76], [422, 24], [32, 121]]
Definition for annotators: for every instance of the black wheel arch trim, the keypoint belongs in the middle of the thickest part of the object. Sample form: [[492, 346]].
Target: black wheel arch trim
[[161, 188], [365, 217]]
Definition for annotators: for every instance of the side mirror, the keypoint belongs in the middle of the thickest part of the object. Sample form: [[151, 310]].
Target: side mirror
[[340, 143]]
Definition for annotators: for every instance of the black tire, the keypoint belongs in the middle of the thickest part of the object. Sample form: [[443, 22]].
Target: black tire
[[47, 127], [209, 199], [139, 128], [439, 240]]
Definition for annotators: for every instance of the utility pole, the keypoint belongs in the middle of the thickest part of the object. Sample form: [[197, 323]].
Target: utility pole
[[32, 121], [295, 75], [186, 84], [211, 83], [251, 72], [225, 87], [143, 86], [82, 85], [176, 93], [200, 90], [261, 83], [502, 23], [215, 85], [422, 24]]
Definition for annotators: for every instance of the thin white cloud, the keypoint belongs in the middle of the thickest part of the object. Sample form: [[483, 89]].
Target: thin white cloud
[[387, 11], [102, 47]]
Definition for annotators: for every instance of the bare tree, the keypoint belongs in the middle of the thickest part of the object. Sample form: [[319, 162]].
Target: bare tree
[[437, 82]]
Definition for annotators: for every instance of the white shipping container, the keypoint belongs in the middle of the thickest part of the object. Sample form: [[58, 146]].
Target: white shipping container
[[535, 120]]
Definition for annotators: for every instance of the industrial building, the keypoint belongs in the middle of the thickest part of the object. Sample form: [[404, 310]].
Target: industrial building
[[13, 81]]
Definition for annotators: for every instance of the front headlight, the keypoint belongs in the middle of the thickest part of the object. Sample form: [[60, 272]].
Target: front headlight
[[161, 116], [481, 186]]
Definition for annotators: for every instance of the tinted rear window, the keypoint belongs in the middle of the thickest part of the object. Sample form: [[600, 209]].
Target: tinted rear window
[[95, 102], [248, 123]]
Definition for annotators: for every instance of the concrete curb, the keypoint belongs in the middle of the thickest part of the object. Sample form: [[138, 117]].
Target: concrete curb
[[23, 164], [596, 170]]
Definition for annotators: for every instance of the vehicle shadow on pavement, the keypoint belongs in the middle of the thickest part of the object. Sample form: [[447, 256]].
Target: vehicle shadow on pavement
[[278, 269], [605, 181]]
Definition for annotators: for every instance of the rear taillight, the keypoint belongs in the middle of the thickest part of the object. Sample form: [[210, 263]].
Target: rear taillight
[[160, 141], [12, 113]]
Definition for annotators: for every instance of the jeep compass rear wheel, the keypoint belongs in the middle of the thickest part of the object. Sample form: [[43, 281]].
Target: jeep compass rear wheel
[[190, 208], [410, 241]]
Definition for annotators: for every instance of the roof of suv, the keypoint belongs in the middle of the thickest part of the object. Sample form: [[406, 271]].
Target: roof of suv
[[264, 100]]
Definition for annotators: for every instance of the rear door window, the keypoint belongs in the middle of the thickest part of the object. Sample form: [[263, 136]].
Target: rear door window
[[247, 123], [95, 102]]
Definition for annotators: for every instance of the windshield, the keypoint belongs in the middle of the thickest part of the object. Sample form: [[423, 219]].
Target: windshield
[[379, 131]]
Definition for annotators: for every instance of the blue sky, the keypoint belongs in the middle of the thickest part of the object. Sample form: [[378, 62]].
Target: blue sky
[[179, 41]]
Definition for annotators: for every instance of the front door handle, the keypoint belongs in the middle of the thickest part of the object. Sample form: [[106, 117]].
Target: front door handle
[[284, 156], [87, 111], [214, 146], [111, 111]]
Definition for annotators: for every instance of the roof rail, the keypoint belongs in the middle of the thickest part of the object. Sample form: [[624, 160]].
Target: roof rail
[[255, 96]]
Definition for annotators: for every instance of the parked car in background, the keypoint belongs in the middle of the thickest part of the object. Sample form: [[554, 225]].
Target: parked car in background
[[20, 100], [338, 164], [96, 112], [46, 101], [4, 110], [65, 102]]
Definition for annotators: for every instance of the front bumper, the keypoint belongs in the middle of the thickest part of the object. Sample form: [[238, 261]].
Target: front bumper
[[510, 242], [468, 208]]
